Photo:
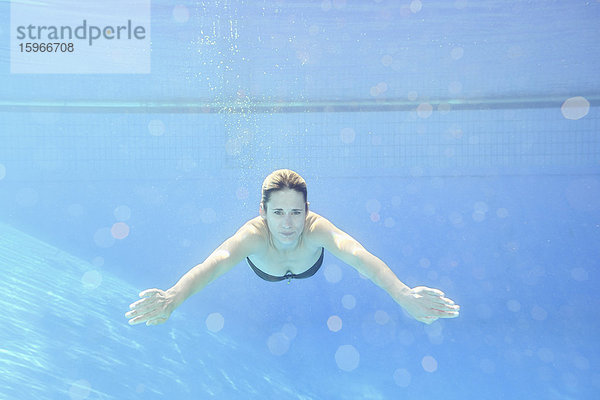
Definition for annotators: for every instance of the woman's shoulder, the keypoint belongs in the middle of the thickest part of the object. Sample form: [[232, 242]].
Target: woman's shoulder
[[256, 228], [315, 221], [316, 226]]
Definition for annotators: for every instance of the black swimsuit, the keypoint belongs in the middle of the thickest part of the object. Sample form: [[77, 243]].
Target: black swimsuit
[[289, 276]]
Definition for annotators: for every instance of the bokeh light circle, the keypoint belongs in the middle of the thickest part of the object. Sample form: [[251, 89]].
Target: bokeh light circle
[[347, 358], [424, 110], [156, 127], [457, 53], [429, 364], [278, 344], [215, 322], [348, 301], [347, 135], [103, 238], [80, 390], [334, 323], [120, 230], [575, 108], [91, 279], [181, 14], [122, 213], [289, 330], [333, 273], [402, 377]]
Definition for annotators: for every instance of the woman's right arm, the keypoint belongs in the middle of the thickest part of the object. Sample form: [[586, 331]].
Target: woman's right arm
[[156, 305]]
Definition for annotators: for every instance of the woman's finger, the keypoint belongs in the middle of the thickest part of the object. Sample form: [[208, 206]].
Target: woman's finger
[[445, 314], [150, 292], [434, 292], [145, 302], [137, 320]]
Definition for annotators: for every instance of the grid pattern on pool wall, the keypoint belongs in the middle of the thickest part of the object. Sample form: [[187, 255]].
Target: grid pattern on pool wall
[[74, 146]]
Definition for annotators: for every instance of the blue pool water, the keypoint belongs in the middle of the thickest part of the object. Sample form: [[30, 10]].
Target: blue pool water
[[458, 141]]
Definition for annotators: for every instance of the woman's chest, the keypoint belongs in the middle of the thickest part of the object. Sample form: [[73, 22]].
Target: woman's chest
[[276, 263]]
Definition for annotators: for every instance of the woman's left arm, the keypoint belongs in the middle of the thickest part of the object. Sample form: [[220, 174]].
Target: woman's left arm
[[422, 303]]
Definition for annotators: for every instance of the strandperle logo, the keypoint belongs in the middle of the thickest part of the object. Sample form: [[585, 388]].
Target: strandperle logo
[[80, 37], [85, 31]]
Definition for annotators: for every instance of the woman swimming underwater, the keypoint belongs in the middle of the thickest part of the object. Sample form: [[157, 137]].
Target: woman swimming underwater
[[287, 241]]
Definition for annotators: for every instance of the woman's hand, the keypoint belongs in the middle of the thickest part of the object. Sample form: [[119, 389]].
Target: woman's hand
[[154, 308], [427, 305]]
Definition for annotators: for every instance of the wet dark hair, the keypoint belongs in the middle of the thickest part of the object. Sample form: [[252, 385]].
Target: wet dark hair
[[283, 179]]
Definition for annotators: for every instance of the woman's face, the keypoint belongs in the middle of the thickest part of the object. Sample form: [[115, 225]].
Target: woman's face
[[285, 214]]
